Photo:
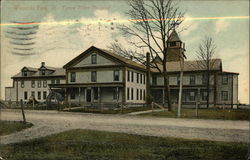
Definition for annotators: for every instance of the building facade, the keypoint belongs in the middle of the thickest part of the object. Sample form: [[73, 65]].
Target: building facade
[[34, 82], [98, 76]]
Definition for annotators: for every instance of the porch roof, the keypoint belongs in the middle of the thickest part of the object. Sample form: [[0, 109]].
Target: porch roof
[[75, 85]]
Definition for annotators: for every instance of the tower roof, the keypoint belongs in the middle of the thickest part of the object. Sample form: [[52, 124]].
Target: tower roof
[[174, 37]]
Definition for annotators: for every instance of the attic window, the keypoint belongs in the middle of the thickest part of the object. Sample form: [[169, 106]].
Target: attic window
[[25, 73], [43, 72], [93, 59], [172, 44]]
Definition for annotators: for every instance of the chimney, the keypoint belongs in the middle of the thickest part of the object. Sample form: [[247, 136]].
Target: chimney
[[42, 64]]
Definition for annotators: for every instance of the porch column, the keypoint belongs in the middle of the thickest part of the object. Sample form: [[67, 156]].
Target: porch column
[[85, 95], [163, 97], [117, 94], [99, 95], [79, 95]]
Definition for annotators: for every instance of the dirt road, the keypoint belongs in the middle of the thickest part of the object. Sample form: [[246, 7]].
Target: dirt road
[[50, 122]]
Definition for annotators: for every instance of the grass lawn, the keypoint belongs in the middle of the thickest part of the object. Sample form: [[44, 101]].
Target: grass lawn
[[86, 144], [7, 127], [227, 114]]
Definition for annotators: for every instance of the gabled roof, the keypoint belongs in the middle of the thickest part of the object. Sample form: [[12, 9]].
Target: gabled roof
[[174, 37], [56, 72], [30, 69], [105, 52], [216, 65]]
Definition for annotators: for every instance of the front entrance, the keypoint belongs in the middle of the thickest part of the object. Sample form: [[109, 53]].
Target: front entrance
[[88, 96]]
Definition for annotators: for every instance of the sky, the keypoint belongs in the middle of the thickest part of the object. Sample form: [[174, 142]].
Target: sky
[[67, 28]]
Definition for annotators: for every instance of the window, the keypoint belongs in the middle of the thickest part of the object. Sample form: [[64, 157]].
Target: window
[[132, 93], [72, 95], [144, 79], [44, 84], [224, 95], [95, 90], [25, 73], [172, 44], [44, 94], [178, 80], [141, 78], [33, 94], [25, 95], [140, 94], [72, 76], [58, 81], [204, 79], [137, 78], [115, 93], [154, 80], [116, 75], [39, 82], [144, 98], [52, 81], [22, 84], [191, 96], [93, 76], [33, 84], [39, 95], [192, 79], [224, 79], [132, 76], [137, 94], [43, 72], [128, 74], [93, 59], [127, 93], [204, 95]]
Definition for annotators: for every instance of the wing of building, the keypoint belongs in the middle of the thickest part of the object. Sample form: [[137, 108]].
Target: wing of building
[[98, 76], [34, 82]]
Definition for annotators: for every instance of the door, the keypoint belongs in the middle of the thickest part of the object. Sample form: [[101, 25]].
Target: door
[[88, 96]]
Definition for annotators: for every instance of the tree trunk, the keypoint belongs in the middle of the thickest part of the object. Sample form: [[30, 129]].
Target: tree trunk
[[207, 88], [166, 86], [180, 95]]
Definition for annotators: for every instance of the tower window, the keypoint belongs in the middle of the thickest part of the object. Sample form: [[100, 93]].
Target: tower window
[[172, 44]]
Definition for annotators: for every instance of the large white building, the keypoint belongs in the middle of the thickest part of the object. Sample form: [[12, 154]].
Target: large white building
[[98, 76], [34, 81]]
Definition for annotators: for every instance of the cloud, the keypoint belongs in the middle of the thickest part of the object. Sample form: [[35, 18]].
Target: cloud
[[221, 25], [187, 26]]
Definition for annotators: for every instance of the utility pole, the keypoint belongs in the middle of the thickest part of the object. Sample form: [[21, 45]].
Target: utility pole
[[24, 119]]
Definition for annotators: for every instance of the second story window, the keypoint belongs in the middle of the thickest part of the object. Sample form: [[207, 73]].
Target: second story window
[[192, 79], [93, 59], [58, 81], [144, 79], [137, 78], [141, 78], [44, 84], [72, 76], [22, 84], [224, 79], [204, 79], [178, 80], [128, 75], [116, 75], [32, 84], [132, 76], [154, 80], [39, 82], [93, 76]]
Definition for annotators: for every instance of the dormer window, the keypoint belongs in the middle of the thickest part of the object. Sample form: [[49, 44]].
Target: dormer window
[[93, 59], [25, 73], [172, 44], [43, 72]]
